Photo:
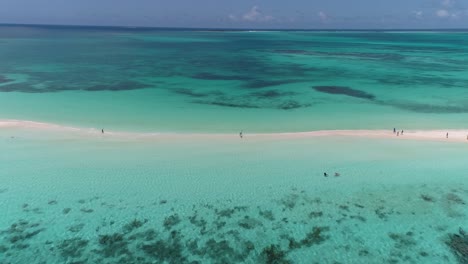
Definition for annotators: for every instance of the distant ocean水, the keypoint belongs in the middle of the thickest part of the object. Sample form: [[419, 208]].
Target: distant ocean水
[[223, 81], [171, 181]]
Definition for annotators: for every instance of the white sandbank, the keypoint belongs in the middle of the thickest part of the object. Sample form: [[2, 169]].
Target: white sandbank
[[458, 135]]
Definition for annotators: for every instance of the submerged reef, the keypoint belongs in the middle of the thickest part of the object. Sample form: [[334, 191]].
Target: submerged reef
[[257, 84], [52, 88], [192, 93], [228, 104], [271, 94], [273, 255], [219, 77], [4, 79], [20, 233], [296, 225], [344, 91], [426, 108], [120, 86], [458, 243]]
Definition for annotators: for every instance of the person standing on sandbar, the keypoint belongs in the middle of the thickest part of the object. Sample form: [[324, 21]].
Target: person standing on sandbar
[[446, 136], [102, 131], [241, 135]]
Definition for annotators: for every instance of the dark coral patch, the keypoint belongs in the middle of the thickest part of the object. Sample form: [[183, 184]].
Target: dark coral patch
[[267, 214], [255, 84], [20, 232], [171, 221], [315, 237], [426, 108], [120, 86], [169, 251], [135, 224], [344, 91], [222, 252], [19, 87], [402, 240], [72, 248], [228, 104], [188, 92], [273, 254], [191, 93], [458, 243], [291, 51], [4, 79], [316, 214], [76, 228], [249, 223], [219, 77], [427, 198], [28, 88], [272, 94], [86, 210], [454, 199], [113, 245]]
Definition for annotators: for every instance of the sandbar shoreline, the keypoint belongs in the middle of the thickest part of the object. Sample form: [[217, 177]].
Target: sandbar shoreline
[[454, 135]]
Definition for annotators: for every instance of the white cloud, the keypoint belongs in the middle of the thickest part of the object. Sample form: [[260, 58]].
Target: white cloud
[[442, 13], [255, 15], [323, 16], [418, 14], [448, 3]]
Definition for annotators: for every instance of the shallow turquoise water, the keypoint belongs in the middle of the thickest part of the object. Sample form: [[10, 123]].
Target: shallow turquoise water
[[75, 200], [155, 80]]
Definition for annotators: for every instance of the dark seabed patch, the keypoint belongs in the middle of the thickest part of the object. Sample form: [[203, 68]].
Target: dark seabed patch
[[458, 243], [19, 87], [221, 232], [192, 93], [344, 91], [294, 51], [20, 233], [291, 104], [219, 77], [227, 104], [272, 94], [411, 81], [426, 108], [53, 88], [354, 55], [4, 79], [256, 84], [120, 86]]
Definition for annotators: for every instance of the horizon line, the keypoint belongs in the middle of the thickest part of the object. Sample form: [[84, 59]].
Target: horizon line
[[226, 28]]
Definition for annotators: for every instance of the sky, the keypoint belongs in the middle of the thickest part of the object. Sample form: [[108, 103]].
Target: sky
[[259, 14]]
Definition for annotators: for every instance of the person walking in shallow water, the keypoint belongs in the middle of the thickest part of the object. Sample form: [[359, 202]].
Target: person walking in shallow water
[[241, 135], [394, 130], [446, 135], [102, 131], [402, 132]]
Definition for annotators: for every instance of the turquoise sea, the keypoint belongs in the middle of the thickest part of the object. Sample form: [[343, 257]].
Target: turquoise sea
[[81, 197]]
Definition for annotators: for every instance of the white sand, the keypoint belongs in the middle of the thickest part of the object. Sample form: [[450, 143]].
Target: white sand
[[459, 135]]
